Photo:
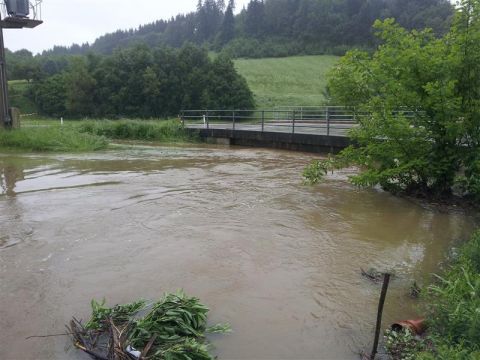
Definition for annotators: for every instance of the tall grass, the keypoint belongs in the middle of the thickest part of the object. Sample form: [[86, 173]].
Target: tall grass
[[454, 307], [56, 139], [170, 131]]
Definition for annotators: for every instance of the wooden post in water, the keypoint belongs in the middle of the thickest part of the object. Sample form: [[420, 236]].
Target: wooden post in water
[[386, 282]]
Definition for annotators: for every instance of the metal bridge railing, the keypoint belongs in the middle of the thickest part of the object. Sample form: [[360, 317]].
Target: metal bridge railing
[[328, 120]]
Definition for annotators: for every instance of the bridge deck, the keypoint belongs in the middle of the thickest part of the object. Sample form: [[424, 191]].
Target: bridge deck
[[307, 129]]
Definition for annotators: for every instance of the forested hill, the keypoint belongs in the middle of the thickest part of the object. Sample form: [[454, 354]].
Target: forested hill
[[276, 27]]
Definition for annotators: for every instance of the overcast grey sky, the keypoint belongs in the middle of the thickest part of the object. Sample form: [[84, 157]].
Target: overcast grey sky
[[80, 21]]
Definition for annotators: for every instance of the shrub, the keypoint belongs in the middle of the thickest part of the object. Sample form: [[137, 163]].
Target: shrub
[[164, 131], [453, 306]]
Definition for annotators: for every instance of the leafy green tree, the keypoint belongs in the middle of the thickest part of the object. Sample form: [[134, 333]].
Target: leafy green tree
[[228, 90], [420, 97], [143, 82], [80, 88], [49, 96]]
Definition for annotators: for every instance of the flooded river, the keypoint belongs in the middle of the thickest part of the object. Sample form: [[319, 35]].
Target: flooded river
[[277, 260]]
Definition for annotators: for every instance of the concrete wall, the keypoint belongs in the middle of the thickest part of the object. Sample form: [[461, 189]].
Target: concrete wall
[[296, 142]]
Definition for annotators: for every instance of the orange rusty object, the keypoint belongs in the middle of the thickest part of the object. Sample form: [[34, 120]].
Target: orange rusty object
[[416, 327]]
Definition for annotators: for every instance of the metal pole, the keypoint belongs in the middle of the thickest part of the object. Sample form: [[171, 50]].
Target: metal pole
[[208, 124], [293, 122], [328, 121], [233, 120], [5, 120], [263, 121], [183, 118], [386, 282]]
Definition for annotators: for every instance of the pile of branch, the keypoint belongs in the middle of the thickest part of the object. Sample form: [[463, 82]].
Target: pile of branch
[[173, 328]]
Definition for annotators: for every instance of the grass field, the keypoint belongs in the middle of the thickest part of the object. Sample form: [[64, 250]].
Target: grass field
[[291, 81]]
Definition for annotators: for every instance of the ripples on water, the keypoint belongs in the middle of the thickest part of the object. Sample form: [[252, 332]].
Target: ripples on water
[[278, 260]]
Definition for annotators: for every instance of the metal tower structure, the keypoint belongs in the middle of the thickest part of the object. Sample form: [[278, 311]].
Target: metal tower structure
[[14, 14]]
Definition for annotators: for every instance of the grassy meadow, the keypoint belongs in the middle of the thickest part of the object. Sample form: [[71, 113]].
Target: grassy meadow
[[290, 81]]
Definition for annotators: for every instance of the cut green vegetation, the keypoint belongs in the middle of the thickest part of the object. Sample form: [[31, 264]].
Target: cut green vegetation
[[173, 328], [290, 81]]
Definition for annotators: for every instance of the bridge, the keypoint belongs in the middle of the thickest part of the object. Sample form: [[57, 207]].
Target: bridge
[[311, 129]]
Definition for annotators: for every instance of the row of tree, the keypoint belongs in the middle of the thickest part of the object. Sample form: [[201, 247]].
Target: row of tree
[[319, 25], [265, 28], [422, 97], [142, 82]]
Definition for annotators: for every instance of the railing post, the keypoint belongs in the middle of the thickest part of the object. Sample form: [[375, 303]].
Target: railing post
[[328, 120], [182, 114], [233, 120], [206, 116], [263, 121], [293, 122]]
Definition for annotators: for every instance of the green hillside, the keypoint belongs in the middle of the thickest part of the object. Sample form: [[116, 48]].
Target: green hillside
[[291, 81]]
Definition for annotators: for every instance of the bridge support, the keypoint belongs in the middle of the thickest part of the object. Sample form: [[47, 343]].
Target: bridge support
[[286, 141]]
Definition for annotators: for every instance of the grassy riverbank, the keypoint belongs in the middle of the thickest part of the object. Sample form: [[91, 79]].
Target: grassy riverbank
[[452, 310], [55, 139], [170, 131], [85, 136]]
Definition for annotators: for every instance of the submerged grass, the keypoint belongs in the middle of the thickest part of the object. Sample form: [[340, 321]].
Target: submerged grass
[[169, 131], [56, 139]]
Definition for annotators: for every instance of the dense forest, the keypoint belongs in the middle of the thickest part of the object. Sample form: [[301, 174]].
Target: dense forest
[[265, 28], [274, 27], [141, 82], [280, 27]]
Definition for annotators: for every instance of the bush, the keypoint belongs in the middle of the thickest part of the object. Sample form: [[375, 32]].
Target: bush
[[417, 103], [454, 307]]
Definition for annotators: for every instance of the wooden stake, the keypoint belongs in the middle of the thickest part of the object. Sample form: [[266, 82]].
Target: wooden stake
[[386, 282]]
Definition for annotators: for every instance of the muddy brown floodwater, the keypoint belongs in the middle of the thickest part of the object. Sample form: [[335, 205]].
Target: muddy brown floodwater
[[277, 260]]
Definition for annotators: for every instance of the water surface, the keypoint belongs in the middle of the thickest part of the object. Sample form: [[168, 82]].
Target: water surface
[[277, 260]]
